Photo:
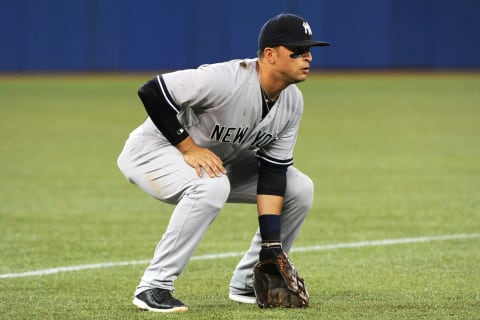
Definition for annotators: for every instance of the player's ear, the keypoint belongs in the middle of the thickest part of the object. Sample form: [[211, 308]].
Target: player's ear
[[269, 54]]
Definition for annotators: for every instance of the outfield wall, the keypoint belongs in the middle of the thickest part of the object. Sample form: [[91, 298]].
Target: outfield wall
[[83, 35]]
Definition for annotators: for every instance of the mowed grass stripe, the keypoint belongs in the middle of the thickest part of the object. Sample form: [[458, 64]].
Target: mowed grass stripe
[[384, 242]]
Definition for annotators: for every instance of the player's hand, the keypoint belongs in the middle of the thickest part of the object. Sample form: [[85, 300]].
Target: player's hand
[[198, 158]]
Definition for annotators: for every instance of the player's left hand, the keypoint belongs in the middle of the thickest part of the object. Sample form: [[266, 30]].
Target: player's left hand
[[277, 284]]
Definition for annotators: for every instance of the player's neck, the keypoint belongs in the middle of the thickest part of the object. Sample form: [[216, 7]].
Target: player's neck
[[272, 86]]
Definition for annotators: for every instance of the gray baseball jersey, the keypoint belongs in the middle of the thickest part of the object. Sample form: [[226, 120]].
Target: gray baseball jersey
[[221, 107]]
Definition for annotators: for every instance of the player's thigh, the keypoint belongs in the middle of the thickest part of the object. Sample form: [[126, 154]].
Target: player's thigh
[[243, 176], [159, 170]]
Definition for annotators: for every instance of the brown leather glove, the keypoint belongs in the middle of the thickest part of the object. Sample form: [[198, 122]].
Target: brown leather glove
[[277, 284]]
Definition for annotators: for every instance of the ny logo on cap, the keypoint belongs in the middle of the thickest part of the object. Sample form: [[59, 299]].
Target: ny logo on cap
[[307, 28]]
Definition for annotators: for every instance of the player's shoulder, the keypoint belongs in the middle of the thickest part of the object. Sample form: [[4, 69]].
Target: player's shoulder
[[293, 94], [292, 100], [232, 67], [232, 74], [293, 90]]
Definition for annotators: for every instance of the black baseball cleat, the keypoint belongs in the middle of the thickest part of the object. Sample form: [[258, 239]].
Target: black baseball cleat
[[246, 297], [159, 300]]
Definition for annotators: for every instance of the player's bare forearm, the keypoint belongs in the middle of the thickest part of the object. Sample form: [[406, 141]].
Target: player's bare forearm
[[269, 204], [198, 158]]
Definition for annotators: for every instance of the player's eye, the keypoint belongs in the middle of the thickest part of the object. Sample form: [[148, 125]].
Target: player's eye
[[298, 52]]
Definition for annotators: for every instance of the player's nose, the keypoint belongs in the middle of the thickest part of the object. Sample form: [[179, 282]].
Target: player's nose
[[308, 56]]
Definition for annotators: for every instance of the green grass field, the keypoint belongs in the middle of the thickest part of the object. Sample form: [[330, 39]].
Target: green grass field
[[393, 156]]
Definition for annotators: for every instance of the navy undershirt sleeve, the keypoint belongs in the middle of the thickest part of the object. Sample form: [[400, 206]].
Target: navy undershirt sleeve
[[272, 178]]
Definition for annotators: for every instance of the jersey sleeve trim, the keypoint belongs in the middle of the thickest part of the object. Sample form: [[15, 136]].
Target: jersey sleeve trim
[[272, 179], [166, 94], [273, 161]]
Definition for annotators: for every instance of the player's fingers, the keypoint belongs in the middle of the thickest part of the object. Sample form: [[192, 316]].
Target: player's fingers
[[198, 168], [219, 170], [204, 159], [217, 167], [212, 164], [211, 169], [220, 166], [211, 173]]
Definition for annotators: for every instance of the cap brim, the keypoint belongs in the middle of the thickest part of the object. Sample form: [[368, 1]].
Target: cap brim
[[305, 43]]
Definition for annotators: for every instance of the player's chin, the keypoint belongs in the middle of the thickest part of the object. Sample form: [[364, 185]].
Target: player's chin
[[301, 77]]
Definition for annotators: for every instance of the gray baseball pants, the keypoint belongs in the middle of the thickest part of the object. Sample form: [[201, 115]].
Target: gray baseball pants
[[158, 168]]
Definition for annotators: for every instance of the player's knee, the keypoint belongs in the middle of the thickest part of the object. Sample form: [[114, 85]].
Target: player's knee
[[300, 190], [122, 164], [305, 197], [213, 191]]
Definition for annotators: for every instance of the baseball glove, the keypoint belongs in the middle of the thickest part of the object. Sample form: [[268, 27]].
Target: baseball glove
[[277, 284]]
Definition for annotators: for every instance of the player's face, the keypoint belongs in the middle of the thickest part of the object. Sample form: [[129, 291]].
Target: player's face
[[294, 63]]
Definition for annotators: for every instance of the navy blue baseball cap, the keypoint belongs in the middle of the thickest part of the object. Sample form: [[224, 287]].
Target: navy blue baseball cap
[[288, 30]]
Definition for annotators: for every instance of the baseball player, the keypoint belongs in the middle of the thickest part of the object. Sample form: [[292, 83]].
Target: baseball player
[[222, 133]]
